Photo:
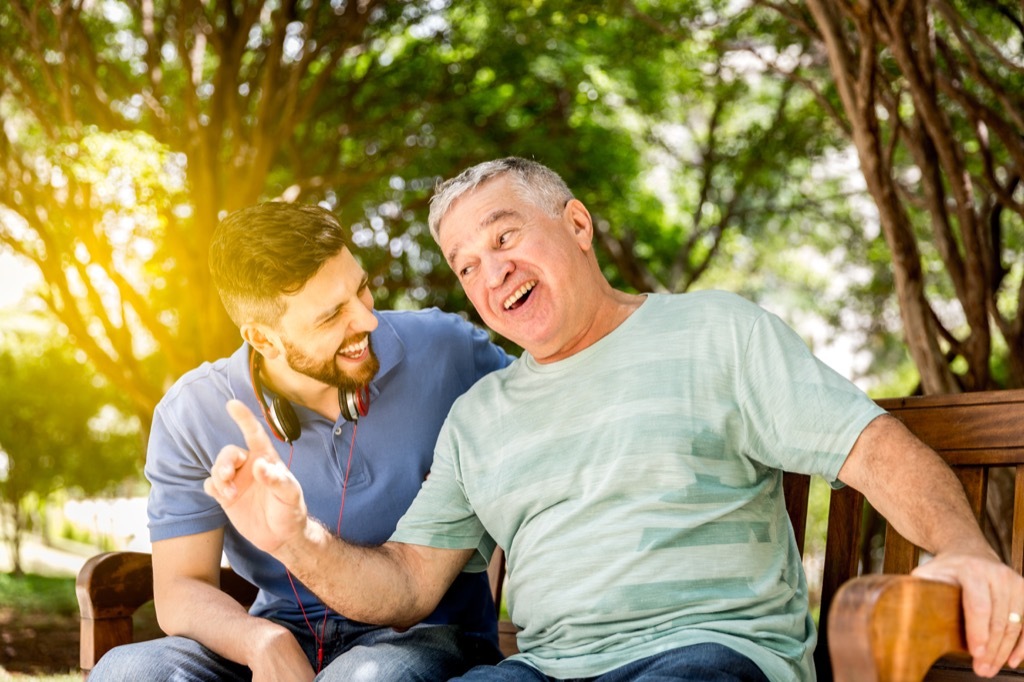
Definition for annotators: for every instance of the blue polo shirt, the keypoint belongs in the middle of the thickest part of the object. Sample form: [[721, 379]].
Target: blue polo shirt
[[427, 360]]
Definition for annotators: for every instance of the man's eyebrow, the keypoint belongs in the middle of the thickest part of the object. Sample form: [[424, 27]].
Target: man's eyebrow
[[328, 314], [494, 216], [497, 215]]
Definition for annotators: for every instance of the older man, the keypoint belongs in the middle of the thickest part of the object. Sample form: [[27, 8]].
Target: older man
[[631, 465]]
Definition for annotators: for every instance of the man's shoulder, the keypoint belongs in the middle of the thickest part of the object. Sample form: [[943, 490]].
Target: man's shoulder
[[712, 306], [210, 380], [490, 388], [192, 411], [425, 318], [708, 298], [432, 326]]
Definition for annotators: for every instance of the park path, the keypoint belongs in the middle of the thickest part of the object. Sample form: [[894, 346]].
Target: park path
[[120, 521], [36, 557]]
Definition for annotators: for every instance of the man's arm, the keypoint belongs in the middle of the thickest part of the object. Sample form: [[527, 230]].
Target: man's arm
[[190, 603], [393, 584], [910, 485]]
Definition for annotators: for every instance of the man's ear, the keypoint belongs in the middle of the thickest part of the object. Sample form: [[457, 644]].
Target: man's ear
[[266, 342], [582, 223]]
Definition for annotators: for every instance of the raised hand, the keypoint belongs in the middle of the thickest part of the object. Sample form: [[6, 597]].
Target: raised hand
[[260, 496]]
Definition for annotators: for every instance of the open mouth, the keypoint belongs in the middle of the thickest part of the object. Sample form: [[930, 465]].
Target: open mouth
[[519, 296], [355, 351]]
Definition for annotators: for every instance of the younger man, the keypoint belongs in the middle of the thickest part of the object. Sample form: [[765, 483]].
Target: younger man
[[354, 399]]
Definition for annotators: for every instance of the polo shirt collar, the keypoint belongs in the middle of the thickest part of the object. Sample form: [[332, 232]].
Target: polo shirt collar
[[389, 348]]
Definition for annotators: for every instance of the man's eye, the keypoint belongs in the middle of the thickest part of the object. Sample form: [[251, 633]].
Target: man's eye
[[465, 271], [504, 237]]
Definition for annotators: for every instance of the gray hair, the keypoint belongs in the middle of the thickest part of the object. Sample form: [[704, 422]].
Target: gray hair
[[533, 182]]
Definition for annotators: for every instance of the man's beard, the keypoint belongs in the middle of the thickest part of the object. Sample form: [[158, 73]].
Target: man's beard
[[328, 372]]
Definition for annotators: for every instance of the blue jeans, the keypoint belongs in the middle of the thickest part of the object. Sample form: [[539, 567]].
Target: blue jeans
[[696, 663], [352, 652]]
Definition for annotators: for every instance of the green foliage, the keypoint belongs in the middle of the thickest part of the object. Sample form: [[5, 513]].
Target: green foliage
[[702, 134], [61, 427], [934, 117]]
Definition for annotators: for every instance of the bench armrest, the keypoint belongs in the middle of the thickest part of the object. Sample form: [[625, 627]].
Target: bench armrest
[[893, 627], [111, 587]]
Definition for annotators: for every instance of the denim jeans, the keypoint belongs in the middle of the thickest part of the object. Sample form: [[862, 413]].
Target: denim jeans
[[352, 652], [696, 663]]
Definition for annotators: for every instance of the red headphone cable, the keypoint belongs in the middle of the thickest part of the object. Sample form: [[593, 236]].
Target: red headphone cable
[[319, 638]]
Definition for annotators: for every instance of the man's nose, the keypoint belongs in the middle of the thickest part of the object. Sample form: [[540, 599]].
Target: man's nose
[[498, 270], [364, 319]]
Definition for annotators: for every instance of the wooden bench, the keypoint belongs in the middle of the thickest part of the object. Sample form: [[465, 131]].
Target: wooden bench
[[892, 626], [878, 627]]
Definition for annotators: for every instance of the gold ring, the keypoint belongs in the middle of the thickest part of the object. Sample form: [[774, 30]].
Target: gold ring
[[1014, 617]]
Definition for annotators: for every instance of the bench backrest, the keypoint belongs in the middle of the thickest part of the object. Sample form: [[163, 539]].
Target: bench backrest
[[981, 436]]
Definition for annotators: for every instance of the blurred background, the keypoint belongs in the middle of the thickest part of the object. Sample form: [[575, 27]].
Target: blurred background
[[853, 167]]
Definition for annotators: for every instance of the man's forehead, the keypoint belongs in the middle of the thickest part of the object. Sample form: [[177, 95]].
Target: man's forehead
[[339, 277], [492, 214]]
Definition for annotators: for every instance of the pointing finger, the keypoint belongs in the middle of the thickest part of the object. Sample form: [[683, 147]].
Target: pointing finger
[[255, 437]]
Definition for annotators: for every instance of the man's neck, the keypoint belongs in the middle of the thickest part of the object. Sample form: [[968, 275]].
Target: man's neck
[[301, 390], [606, 312]]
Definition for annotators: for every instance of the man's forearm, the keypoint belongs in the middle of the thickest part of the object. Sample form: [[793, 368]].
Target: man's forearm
[[391, 584], [395, 584], [913, 489], [192, 608]]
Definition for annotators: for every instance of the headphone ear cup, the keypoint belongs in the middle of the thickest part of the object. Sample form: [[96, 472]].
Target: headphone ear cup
[[284, 420], [354, 403], [347, 401]]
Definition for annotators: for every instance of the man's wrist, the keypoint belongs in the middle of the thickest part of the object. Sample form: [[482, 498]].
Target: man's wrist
[[309, 541]]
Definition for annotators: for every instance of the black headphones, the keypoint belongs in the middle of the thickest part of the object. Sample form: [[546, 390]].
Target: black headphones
[[280, 414]]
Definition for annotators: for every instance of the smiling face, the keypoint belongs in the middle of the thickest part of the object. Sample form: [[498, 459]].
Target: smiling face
[[528, 273], [325, 330]]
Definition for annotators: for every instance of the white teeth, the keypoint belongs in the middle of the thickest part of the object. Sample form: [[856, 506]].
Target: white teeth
[[356, 348], [518, 294]]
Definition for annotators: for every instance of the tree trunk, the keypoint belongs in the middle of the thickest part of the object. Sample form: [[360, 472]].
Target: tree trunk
[[921, 97]]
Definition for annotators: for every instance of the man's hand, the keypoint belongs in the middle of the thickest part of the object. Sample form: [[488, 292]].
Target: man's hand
[[256, 490], [993, 601]]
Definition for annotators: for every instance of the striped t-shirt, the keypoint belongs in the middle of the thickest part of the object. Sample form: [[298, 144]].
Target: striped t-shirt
[[636, 486]]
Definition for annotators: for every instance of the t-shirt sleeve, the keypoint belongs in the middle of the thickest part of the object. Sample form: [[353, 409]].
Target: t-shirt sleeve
[[799, 415], [441, 516], [176, 466]]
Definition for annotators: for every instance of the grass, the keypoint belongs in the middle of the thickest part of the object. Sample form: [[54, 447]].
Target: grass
[[38, 593], [39, 628], [35, 602]]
